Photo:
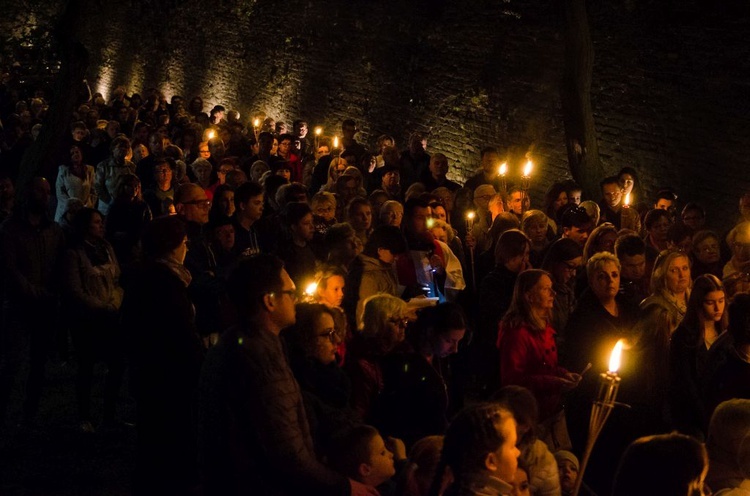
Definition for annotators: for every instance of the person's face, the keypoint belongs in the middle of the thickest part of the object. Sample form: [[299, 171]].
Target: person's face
[[326, 340], [574, 197], [196, 209], [678, 275], [348, 190], [606, 242], [419, 220], [196, 105], [446, 343], [362, 218], [605, 282], [253, 208], [438, 166], [713, 306], [568, 475], [305, 228], [333, 294], [354, 246], [386, 144], [439, 213], [395, 216], [40, 193], [566, 270], [490, 163], [284, 313], [386, 256], [439, 233], [380, 461], [121, 152], [612, 195], [274, 146], [96, 227], [156, 144], [537, 231], [326, 211], [708, 251], [76, 157], [348, 132], [163, 174], [180, 252], [627, 181], [112, 128], [285, 173], [683, 245], [663, 204], [7, 190], [302, 130], [741, 247], [505, 458], [693, 219], [482, 201], [578, 234], [561, 200], [225, 203], [633, 267], [515, 202], [203, 173], [285, 146], [520, 262], [391, 179], [204, 151], [322, 151], [520, 483], [79, 134], [542, 296], [660, 228], [225, 237], [223, 171], [397, 328]]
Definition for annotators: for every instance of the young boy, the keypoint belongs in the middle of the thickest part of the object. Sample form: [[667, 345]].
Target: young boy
[[361, 454]]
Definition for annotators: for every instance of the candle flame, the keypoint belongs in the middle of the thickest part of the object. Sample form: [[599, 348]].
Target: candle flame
[[335, 141], [430, 223], [614, 358], [503, 168], [318, 130], [256, 122], [311, 288], [211, 135], [627, 200], [470, 215], [527, 169]]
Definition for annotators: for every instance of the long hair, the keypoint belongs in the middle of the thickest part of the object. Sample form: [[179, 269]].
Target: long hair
[[707, 283], [301, 337], [519, 312], [473, 434], [591, 247], [661, 268]]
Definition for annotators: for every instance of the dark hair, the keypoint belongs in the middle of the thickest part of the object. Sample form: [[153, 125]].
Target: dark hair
[[82, 221], [694, 206], [666, 194], [245, 191], [702, 285], [252, 278], [653, 216], [551, 196], [440, 319], [295, 212], [301, 337], [629, 245], [387, 237], [609, 180], [660, 465], [560, 251], [473, 434], [573, 215], [162, 235], [524, 407], [637, 189], [679, 231], [351, 448], [512, 243], [355, 203], [739, 318], [412, 204]]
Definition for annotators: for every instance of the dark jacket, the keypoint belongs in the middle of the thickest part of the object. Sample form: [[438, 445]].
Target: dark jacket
[[252, 428]]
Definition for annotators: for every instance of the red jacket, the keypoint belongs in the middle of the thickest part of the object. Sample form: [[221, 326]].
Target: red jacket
[[529, 359]]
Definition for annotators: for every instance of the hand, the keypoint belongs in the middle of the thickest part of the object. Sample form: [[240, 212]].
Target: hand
[[471, 241], [565, 384], [437, 263], [359, 489], [397, 447], [572, 376]]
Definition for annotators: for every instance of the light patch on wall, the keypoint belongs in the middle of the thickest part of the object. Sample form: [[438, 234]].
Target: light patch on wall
[[174, 81], [104, 83]]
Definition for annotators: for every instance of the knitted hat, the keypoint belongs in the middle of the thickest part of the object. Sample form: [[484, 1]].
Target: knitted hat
[[567, 455]]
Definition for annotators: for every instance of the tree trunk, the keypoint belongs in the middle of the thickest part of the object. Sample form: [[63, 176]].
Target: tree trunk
[[580, 134], [41, 157]]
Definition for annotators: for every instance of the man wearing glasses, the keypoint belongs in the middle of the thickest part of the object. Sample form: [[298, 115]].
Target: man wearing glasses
[[252, 427]]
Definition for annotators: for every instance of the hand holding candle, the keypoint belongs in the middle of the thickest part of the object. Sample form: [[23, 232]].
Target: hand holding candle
[[470, 221]]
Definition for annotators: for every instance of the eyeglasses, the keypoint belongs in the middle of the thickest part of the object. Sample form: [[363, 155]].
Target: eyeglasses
[[199, 203], [399, 322], [330, 334], [291, 292]]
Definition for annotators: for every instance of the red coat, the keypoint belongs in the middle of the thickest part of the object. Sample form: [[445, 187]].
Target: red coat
[[529, 359]]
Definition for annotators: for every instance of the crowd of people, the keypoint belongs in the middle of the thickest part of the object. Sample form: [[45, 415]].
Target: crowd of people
[[292, 313]]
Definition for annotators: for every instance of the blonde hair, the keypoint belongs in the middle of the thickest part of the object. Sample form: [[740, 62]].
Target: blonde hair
[[661, 268]]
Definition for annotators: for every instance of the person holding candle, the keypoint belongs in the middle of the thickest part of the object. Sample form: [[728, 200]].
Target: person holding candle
[[611, 203], [705, 320]]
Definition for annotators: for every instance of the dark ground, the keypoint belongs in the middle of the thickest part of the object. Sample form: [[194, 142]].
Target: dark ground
[[53, 457]]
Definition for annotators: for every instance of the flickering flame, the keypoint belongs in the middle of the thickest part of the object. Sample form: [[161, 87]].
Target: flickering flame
[[318, 130], [527, 169], [430, 223], [503, 168], [238, 115], [311, 288], [256, 123], [470, 215], [335, 141], [627, 200], [614, 358], [211, 135]]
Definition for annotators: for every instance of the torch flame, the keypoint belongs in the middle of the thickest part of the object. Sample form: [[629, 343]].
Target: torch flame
[[527, 169], [614, 358], [335, 141], [256, 122], [470, 215], [311, 288], [503, 168], [318, 130]]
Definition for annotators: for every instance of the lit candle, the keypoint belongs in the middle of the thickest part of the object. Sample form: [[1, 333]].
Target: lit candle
[[256, 123], [211, 135], [335, 142], [614, 358], [311, 289], [430, 223], [626, 202], [318, 130], [503, 169], [470, 221], [527, 169]]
